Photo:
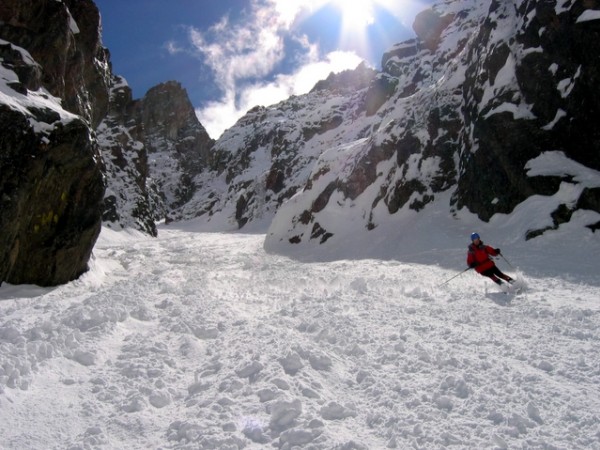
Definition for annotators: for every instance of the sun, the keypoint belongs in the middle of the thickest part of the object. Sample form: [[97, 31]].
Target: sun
[[356, 14], [367, 22]]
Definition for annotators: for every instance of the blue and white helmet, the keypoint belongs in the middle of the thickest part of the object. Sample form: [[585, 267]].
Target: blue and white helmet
[[474, 236]]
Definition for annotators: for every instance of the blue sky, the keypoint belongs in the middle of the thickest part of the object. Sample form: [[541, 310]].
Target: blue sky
[[231, 55]]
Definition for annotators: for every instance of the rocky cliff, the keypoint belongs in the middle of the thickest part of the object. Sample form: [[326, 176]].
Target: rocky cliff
[[63, 38], [179, 147], [51, 185], [531, 85], [487, 88], [75, 148]]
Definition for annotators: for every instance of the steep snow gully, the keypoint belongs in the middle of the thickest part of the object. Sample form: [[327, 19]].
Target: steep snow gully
[[204, 341]]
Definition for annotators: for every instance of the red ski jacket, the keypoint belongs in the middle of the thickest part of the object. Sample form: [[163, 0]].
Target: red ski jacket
[[480, 255]]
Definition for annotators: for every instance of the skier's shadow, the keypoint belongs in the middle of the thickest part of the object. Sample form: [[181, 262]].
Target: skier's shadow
[[500, 298]]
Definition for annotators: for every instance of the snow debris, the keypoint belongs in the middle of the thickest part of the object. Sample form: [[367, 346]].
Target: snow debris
[[203, 340]]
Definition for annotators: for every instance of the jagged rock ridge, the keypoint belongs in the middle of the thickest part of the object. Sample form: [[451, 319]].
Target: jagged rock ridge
[[153, 148], [267, 156]]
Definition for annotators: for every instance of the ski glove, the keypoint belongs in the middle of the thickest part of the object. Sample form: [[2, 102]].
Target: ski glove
[[473, 265], [497, 250]]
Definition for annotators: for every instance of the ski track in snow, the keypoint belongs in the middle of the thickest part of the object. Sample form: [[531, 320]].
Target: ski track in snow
[[203, 341]]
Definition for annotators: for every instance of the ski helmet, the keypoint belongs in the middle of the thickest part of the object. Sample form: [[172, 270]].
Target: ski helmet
[[474, 236]]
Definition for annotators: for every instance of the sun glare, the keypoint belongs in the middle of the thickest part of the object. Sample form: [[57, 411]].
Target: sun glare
[[356, 14], [365, 21]]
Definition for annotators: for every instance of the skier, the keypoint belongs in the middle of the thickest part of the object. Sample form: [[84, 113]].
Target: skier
[[478, 258]]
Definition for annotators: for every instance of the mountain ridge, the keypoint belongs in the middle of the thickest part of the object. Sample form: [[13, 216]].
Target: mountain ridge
[[455, 109]]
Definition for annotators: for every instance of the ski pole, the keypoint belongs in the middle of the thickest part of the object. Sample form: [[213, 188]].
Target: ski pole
[[507, 262], [457, 275]]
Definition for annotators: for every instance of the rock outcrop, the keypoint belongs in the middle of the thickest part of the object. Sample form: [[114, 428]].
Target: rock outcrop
[[51, 187], [51, 198], [63, 38], [530, 87], [179, 147]]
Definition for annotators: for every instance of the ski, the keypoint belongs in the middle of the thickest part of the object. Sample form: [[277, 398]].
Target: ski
[[511, 289]]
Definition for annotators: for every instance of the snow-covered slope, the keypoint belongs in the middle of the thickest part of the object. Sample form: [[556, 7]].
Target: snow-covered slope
[[204, 341], [268, 155]]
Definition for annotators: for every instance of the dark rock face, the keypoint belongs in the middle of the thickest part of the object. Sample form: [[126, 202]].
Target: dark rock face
[[549, 105], [63, 38], [51, 195], [52, 185], [429, 25]]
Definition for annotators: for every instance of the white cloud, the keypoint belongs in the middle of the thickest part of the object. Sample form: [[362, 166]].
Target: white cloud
[[172, 48], [249, 49], [217, 116], [242, 54], [290, 10], [307, 76]]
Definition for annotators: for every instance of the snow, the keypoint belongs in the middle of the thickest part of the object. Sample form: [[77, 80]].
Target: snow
[[206, 339], [562, 6], [32, 101], [73, 27], [560, 113], [588, 15], [522, 111], [566, 85], [203, 340], [556, 163]]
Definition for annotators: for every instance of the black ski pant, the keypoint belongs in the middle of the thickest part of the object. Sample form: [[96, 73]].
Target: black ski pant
[[495, 274]]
